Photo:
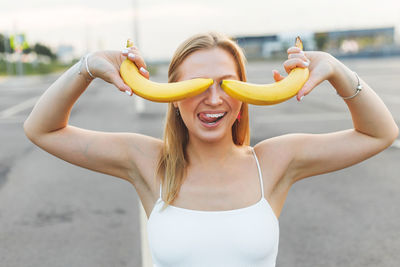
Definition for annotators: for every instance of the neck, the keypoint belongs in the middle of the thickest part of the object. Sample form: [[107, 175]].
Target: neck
[[210, 153]]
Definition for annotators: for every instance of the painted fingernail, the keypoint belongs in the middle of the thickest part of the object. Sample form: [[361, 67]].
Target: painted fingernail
[[125, 51], [306, 63], [128, 92], [143, 70], [131, 55], [301, 97]]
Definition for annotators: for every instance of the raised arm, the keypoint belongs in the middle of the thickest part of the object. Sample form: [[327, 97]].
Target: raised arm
[[117, 154], [374, 127]]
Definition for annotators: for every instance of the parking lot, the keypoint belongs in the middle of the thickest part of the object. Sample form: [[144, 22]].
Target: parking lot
[[56, 214]]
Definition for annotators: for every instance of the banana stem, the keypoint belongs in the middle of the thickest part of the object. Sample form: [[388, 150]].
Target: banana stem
[[129, 43], [299, 43]]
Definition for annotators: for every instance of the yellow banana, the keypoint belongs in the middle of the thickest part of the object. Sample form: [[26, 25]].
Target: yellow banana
[[160, 92], [268, 94]]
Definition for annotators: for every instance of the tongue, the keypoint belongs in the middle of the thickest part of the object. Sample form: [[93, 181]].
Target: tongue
[[204, 118]]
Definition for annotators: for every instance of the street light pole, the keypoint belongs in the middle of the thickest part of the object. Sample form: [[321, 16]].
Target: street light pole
[[19, 46], [7, 51], [139, 101], [135, 23]]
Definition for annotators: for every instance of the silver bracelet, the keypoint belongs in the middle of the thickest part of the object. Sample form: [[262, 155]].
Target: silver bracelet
[[358, 89], [84, 59]]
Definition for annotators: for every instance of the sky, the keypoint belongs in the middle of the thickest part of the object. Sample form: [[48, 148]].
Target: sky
[[162, 25]]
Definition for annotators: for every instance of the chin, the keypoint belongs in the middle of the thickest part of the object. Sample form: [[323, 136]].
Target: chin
[[212, 136]]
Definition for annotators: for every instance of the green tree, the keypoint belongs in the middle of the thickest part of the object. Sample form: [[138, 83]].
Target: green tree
[[44, 50], [2, 48], [4, 41], [27, 50]]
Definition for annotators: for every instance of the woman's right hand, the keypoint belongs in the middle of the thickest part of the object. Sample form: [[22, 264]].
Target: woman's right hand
[[106, 64]]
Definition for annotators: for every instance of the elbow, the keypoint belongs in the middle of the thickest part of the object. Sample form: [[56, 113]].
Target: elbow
[[29, 133], [27, 130], [392, 137], [395, 133]]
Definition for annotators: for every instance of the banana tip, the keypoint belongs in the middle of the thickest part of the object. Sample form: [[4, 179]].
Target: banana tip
[[129, 43], [299, 43]]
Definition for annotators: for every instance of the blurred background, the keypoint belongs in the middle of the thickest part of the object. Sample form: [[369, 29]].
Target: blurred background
[[44, 35], [56, 214]]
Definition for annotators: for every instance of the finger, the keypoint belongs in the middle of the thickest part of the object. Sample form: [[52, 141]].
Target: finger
[[293, 63], [128, 50], [119, 83], [133, 54], [294, 49], [302, 56], [309, 85], [306, 61], [277, 76], [139, 62]]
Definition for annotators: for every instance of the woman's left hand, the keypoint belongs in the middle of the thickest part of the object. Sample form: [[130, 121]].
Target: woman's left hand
[[320, 65]]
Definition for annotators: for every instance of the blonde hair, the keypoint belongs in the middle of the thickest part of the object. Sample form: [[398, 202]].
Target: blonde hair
[[173, 158]]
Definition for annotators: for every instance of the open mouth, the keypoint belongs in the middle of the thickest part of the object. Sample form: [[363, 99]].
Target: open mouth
[[211, 119]]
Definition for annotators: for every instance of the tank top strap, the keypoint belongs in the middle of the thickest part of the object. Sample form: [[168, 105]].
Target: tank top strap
[[259, 172]]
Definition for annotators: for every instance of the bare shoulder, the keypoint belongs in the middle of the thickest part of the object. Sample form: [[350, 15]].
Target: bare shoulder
[[144, 152], [146, 146], [276, 155], [307, 155], [281, 147]]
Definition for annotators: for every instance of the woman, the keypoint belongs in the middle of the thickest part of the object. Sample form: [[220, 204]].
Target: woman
[[211, 199]]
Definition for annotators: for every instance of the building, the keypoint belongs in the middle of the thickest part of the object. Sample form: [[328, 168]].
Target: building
[[345, 43], [272, 46], [359, 41]]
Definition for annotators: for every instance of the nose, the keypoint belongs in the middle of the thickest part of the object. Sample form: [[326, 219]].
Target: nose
[[213, 94]]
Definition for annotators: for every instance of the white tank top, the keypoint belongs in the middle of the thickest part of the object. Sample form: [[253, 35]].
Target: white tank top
[[242, 237]]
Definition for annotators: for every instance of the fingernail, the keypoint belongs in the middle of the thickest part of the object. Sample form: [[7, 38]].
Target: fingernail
[[306, 64], [125, 51], [128, 92], [143, 70], [131, 55], [301, 97]]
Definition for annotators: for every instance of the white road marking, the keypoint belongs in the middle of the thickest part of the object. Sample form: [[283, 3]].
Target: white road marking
[[3, 79], [8, 112], [396, 144], [391, 98], [146, 255], [9, 120]]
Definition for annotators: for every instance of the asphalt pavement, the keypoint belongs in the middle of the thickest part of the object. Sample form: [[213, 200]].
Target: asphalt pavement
[[55, 214]]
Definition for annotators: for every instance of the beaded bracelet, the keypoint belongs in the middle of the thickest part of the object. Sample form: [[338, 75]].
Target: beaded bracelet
[[358, 89]]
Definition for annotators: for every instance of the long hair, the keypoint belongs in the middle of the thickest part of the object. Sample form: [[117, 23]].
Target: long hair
[[173, 158]]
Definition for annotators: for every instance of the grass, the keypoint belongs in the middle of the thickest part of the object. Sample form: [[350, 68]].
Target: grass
[[32, 69], [42, 68]]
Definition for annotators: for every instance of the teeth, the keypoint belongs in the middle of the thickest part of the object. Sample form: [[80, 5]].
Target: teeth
[[217, 115]]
